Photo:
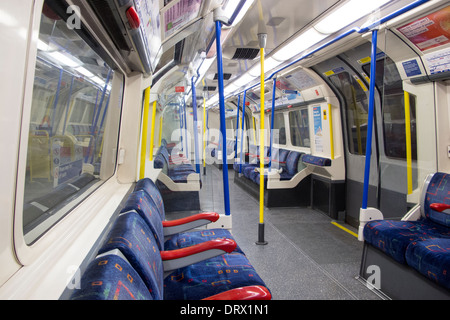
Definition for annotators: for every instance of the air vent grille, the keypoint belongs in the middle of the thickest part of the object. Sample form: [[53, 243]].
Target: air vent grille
[[245, 54], [226, 76]]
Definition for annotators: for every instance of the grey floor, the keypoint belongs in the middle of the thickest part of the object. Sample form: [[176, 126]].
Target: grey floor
[[306, 258]]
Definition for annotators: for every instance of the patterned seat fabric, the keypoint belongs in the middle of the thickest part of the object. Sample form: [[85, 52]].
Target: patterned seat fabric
[[152, 191], [432, 259], [138, 234], [318, 161], [187, 239], [210, 277], [132, 236], [423, 244], [111, 278], [140, 202], [393, 237]]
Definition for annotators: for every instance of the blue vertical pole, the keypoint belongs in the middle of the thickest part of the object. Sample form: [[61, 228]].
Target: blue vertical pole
[[237, 127], [185, 131], [271, 122], [99, 109], [373, 70], [195, 131], [242, 131], [226, 192]]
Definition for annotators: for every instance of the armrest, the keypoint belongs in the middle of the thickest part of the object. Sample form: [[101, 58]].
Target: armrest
[[244, 293], [439, 207], [188, 223], [180, 258]]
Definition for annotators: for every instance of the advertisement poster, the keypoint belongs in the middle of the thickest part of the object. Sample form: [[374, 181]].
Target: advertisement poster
[[318, 136], [180, 14], [430, 31]]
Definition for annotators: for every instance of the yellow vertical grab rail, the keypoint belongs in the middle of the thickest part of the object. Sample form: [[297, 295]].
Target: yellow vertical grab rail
[[152, 135], [408, 141], [330, 115], [144, 132], [261, 144]]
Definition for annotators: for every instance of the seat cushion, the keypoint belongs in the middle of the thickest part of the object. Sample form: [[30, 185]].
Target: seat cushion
[[187, 239], [247, 171], [111, 278], [432, 259], [393, 237], [210, 277]]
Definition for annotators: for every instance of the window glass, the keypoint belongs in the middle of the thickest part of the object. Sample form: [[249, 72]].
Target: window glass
[[69, 117], [356, 107], [279, 125], [389, 84], [299, 128]]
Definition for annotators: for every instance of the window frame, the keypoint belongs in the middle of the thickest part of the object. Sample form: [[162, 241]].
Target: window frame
[[51, 238]]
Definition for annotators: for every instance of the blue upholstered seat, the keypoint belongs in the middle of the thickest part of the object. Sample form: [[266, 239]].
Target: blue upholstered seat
[[393, 237], [423, 244], [152, 191], [211, 277], [132, 236], [110, 277], [137, 233], [177, 241], [432, 259], [177, 172], [317, 161], [140, 202]]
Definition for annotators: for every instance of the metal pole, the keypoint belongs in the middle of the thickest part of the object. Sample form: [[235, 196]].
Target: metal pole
[[226, 193], [237, 128], [195, 131], [152, 133], [242, 131], [272, 122], [262, 44], [144, 132], [370, 117]]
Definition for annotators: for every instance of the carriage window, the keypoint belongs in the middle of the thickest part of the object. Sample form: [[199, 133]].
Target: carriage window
[[356, 105], [278, 124], [70, 115], [389, 84], [299, 127]]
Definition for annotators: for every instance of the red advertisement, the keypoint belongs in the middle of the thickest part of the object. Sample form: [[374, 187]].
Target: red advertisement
[[430, 31]]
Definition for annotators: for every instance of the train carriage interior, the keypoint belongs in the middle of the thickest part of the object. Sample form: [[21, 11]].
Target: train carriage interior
[[225, 150]]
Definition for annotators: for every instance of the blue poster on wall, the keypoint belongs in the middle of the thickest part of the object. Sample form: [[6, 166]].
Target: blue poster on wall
[[318, 137]]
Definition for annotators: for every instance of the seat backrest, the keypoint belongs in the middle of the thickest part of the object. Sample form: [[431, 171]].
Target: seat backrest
[[159, 162], [140, 202], [152, 190], [111, 277], [132, 236], [436, 190], [165, 153], [292, 162]]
